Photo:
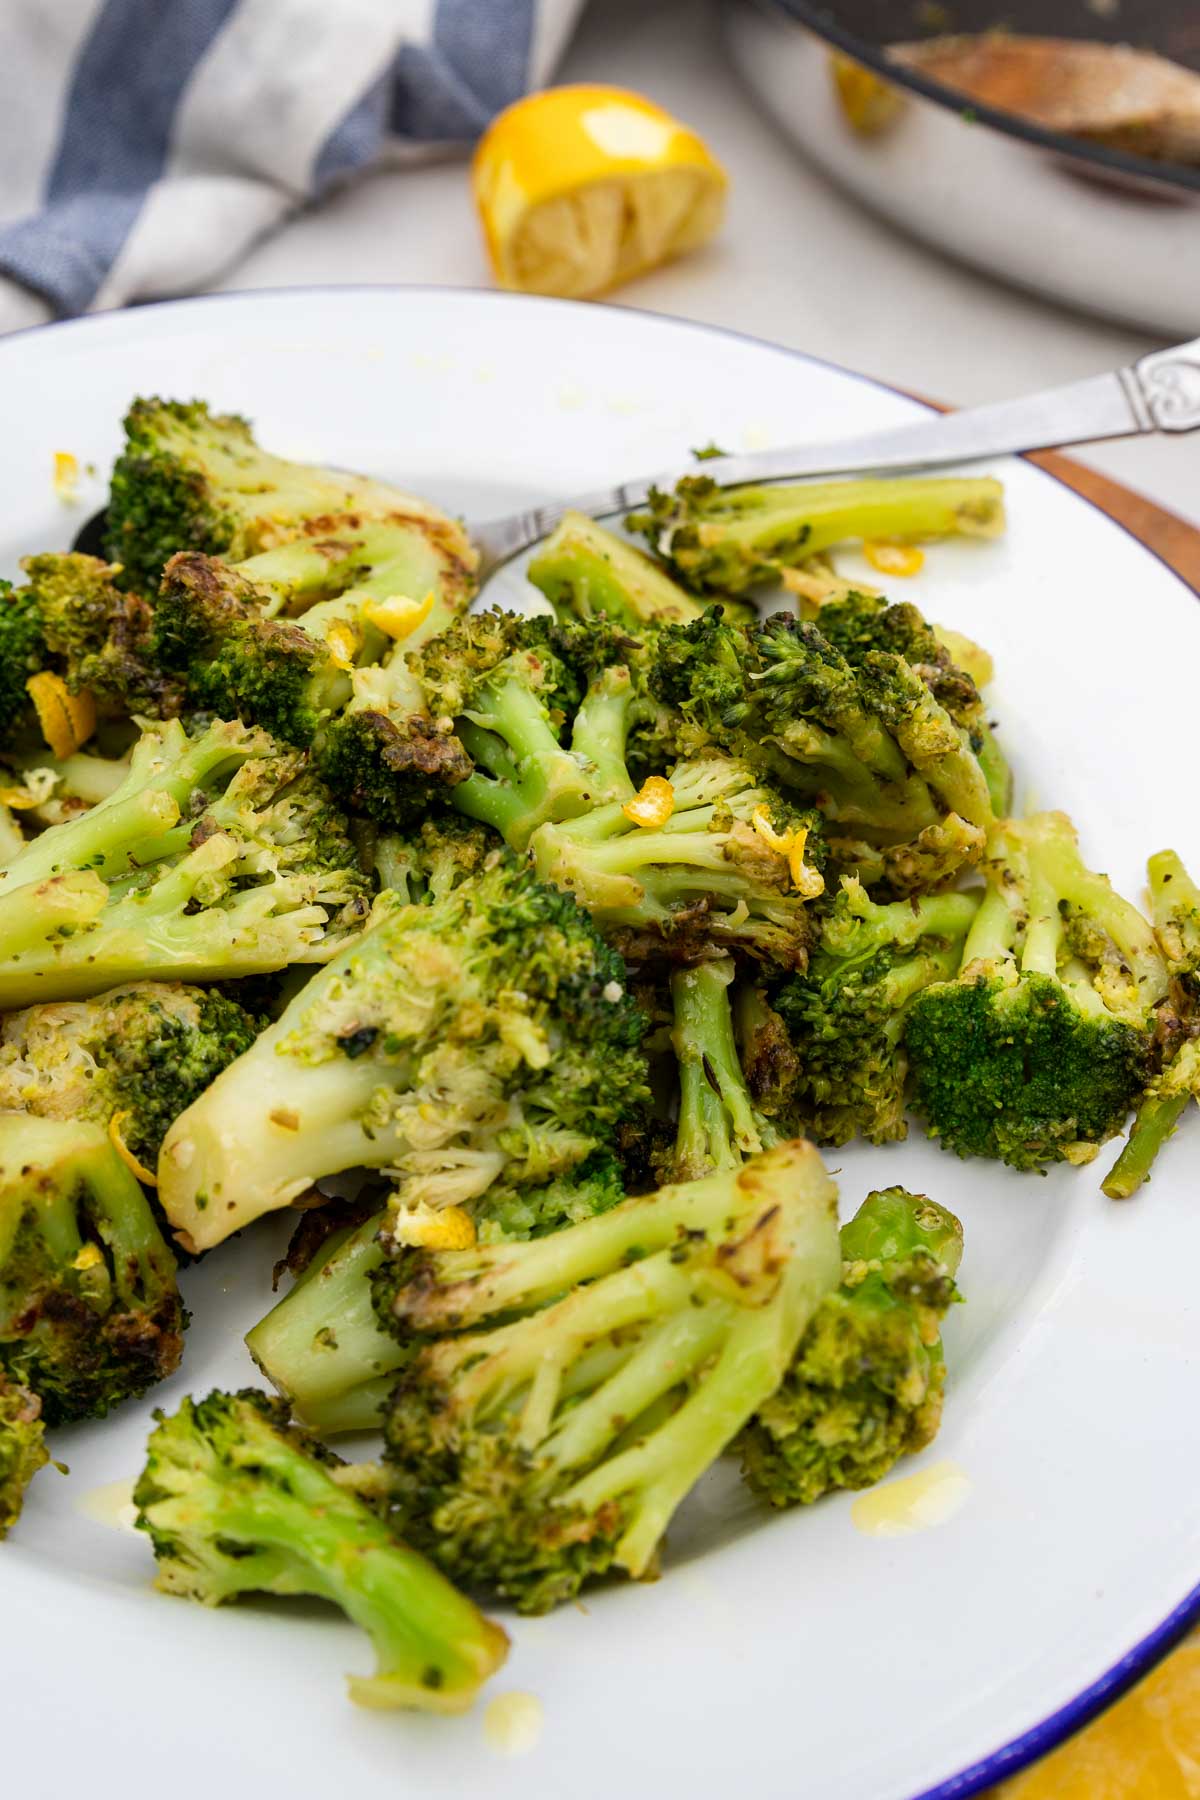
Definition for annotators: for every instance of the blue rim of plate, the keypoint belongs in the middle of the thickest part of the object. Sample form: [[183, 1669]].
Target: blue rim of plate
[[1030, 1746]]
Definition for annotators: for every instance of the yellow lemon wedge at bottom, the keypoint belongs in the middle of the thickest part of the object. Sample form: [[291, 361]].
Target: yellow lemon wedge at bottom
[[580, 188]]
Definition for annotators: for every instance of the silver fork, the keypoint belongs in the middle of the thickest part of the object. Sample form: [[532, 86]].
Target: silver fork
[[1159, 393]]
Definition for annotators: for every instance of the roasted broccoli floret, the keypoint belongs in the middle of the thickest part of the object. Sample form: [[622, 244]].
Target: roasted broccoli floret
[[131, 1059], [496, 677], [865, 1385], [866, 742], [1043, 1043], [588, 1379], [585, 570], [217, 856], [1175, 908], [485, 1034], [22, 654], [96, 636], [89, 1309], [704, 856], [324, 1347], [845, 1014], [22, 1448], [191, 479], [726, 540], [238, 1501]]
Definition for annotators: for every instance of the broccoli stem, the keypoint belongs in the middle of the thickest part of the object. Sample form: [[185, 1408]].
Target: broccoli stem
[[531, 778], [601, 731], [996, 772], [718, 1126], [322, 1345], [33, 915], [791, 523], [1156, 1120]]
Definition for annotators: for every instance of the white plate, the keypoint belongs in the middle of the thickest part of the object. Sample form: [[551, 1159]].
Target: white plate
[[780, 1656]]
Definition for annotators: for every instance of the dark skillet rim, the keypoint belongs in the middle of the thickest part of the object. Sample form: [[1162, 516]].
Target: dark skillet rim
[[1170, 177], [1030, 1745]]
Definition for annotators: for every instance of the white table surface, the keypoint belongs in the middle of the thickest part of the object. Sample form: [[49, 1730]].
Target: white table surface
[[797, 262]]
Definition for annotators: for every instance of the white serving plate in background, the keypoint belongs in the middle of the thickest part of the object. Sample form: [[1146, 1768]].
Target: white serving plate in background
[[781, 1656]]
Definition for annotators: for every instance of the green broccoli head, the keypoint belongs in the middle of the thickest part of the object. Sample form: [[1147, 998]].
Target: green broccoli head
[[193, 480], [865, 1385], [535, 1440], [845, 1013], [727, 540], [22, 1448], [859, 624], [485, 1033], [217, 856], [323, 1345], [98, 637], [905, 796], [138, 1055], [236, 1500], [22, 654], [1038, 1049], [704, 857], [89, 1309]]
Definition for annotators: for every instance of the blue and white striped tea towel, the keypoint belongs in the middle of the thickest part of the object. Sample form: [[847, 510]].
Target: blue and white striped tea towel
[[145, 144]]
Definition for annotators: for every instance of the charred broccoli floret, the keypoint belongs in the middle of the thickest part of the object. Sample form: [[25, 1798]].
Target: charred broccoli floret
[[238, 1501], [1175, 908], [726, 540], [496, 677], [98, 637], [22, 654], [585, 570], [89, 1309], [865, 1385], [22, 1448], [191, 479], [1038, 1049], [867, 742], [546, 1438], [845, 1014], [132, 1059], [485, 1034], [706, 855], [324, 1347], [217, 856]]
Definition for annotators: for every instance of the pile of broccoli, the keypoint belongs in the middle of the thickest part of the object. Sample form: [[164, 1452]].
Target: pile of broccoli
[[527, 960]]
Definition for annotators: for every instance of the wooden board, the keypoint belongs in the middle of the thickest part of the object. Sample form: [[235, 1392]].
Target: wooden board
[[1171, 537]]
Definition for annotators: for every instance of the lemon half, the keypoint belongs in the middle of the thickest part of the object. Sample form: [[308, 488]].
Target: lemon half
[[580, 188]]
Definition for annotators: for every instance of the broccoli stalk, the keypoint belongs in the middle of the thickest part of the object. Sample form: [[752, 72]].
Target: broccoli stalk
[[719, 1126], [22, 1448], [726, 540], [1036, 1052], [236, 1501], [1175, 908], [550, 1438], [215, 858], [585, 570], [89, 1310], [865, 1385], [190, 479], [845, 1014], [484, 1034]]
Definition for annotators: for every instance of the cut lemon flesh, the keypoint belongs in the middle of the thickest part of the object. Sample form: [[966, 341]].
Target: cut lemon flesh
[[580, 188]]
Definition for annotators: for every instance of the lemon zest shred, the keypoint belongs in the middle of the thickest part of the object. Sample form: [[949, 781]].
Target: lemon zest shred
[[126, 1154], [398, 616], [894, 559], [653, 803], [67, 720]]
